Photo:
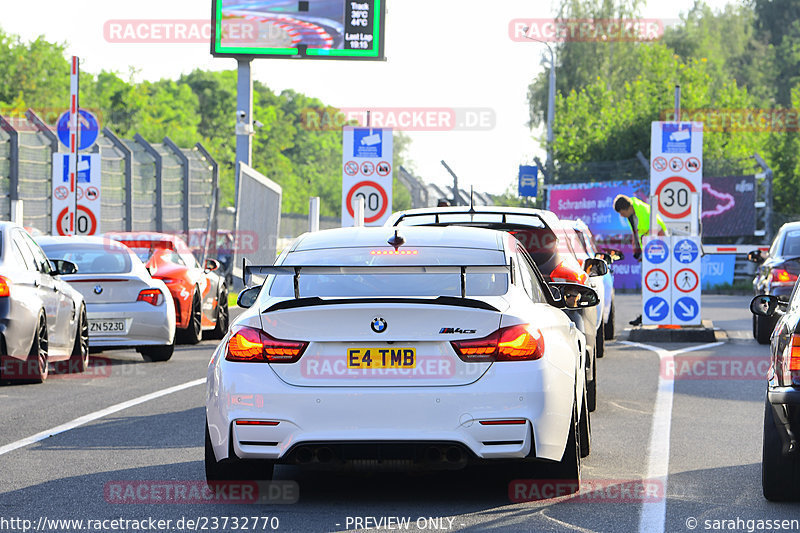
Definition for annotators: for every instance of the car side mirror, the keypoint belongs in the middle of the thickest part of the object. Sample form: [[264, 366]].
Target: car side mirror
[[577, 296], [558, 298], [211, 265], [755, 257], [595, 267], [247, 298], [767, 305], [615, 254], [605, 257], [63, 267]]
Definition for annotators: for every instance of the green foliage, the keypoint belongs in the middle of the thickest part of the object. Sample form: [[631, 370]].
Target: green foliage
[[729, 63], [303, 157]]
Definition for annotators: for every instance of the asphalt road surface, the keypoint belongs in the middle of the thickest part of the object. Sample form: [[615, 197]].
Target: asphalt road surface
[[681, 419]]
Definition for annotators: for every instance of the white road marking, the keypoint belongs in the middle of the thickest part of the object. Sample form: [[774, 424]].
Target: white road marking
[[654, 514], [91, 417]]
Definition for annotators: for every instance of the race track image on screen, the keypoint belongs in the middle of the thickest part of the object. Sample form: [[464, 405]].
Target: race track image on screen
[[290, 28]]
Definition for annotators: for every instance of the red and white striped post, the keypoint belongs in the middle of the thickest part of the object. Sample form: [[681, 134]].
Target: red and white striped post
[[74, 142]]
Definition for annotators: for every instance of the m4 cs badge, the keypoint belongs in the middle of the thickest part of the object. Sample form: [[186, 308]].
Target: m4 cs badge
[[445, 331]]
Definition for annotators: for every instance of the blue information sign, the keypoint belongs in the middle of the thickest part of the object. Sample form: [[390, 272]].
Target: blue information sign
[[686, 251], [656, 251], [528, 180]]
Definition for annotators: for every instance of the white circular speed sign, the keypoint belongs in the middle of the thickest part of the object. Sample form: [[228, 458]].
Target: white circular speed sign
[[675, 197], [375, 200]]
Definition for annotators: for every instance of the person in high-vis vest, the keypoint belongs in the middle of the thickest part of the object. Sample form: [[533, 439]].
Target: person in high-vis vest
[[638, 214]]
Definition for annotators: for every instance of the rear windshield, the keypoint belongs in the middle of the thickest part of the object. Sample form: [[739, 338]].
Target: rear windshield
[[393, 285], [791, 244], [107, 258]]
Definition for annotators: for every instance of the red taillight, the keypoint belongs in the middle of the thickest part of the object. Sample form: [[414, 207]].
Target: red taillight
[[5, 287], [512, 422], [794, 359], [252, 345], [515, 343], [564, 273], [151, 296], [256, 423], [783, 276]]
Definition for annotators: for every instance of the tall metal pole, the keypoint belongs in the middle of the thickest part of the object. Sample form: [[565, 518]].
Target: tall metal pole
[[551, 107], [551, 112], [244, 117], [677, 103]]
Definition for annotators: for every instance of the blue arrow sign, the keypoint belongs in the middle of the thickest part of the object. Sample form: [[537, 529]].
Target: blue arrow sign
[[686, 309], [656, 309], [656, 251], [87, 124], [686, 251]]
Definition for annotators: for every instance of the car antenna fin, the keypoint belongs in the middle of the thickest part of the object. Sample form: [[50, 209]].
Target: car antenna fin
[[471, 200], [396, 240]]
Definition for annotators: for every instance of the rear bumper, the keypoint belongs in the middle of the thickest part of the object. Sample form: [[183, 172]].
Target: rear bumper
[[147, 325], [540, 395]]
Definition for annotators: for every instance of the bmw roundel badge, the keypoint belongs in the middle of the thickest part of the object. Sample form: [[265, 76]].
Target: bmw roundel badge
[[378, 325]]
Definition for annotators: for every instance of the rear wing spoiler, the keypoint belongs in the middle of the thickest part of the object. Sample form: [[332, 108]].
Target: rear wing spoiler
[[261, 271]]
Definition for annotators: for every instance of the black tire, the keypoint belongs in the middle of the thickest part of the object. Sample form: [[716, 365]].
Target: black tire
[[780, 475], [608, 327], [233, 468], [221, 329], [585, 423], [157, 354], [79, 359], [37, 364], [764, 327], [193, 333], [591, 388], [755, 327], [601, 343]]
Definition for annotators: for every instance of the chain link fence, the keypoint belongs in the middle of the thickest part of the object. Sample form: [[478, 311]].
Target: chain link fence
[[145, 186]]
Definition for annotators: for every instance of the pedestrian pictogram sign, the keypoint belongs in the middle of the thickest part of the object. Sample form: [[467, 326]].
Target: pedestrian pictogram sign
[[656, 280]]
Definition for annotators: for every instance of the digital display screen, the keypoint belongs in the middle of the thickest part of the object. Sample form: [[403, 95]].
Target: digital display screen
[[292, 29]]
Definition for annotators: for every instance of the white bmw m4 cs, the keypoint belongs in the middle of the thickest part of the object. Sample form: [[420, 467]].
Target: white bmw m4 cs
[[427, 348]]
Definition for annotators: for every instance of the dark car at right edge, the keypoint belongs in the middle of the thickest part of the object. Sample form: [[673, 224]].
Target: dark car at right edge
[[776, 274]]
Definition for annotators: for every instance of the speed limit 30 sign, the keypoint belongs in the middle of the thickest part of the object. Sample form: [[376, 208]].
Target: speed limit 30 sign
[[675, 197]]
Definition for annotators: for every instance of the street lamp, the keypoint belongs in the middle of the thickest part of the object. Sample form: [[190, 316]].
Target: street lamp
[[551, 102]]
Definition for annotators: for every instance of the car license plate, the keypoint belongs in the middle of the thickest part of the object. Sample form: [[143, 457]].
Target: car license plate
[[106, 327], [381, 358]]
